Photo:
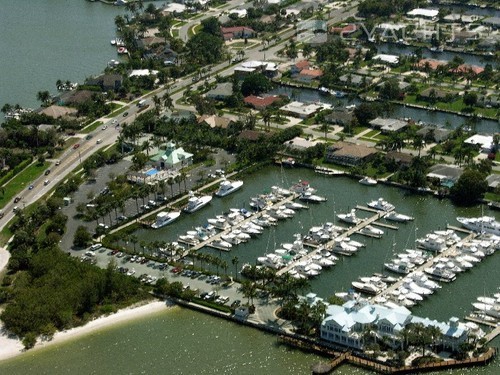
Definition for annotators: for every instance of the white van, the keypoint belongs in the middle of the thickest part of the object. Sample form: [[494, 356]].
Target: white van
[[95, 246], [141, 103]]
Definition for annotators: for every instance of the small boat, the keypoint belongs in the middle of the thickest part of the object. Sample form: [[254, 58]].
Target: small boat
[[221, 244], [121, 50], [165, 218], [398, 266], [368, 181], [381, 205], [195, 203], [227, 187], [400, 218]]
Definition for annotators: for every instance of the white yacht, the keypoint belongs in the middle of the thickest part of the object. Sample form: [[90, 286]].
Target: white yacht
[[342, 247], [165, 218], [195, 203], [227, 187], [367, 288], [349, 218], [381, 205], [370, 230], [368, 181], [219, 222], [440, 273], [310, 197], [400, 218], [486, 224], [221, 244], [432, 242], [398, 266], [278, 190]]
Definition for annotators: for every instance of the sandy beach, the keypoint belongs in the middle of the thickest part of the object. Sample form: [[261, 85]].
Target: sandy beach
[[12, 347]]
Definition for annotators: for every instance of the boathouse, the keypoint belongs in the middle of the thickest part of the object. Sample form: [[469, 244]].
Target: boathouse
[[172, 158]]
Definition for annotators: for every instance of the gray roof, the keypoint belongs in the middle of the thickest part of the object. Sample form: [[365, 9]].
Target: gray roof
[[388, 124], [444, 171], [494, 21], [222, 90]]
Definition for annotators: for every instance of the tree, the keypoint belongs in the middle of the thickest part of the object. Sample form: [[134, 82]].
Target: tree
[[211, 26], [470, 99], [82, 237], [44, 97], [235, 261], [390, 90], [249, 290], [255, 84], [139, 160], [199, 54], [469, 188]]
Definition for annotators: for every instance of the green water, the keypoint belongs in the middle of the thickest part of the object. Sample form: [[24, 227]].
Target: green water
[[177, 341]]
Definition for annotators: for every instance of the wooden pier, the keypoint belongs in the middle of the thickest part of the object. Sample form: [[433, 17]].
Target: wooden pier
[[427, 264], [458, 229], [490, 336], [329, 244]]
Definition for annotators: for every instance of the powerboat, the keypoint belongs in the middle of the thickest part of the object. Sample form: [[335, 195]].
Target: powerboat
[[281, 191], [370, 230], [432, 242], [381, 205], [221, 244], [398, 266], [164, 218], [483, 224], [349, 218], [367, 288], [368, 181], [310, 197], [227, 187], [219, 222], [400, 218], [195, 203], [439, 272]]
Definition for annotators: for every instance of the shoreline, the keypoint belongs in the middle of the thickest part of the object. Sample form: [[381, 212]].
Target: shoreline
[[11, 347]]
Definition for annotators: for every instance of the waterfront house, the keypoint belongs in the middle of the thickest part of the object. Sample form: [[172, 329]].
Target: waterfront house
[[434, 133], [75, 97], [299, 66], [172, 158], [431, 94], [355, 80], [428, 14], [399, 158], [299, 143], [340, 117], [307, 75], [260, 103], [350, 154], [56, 111], [482, 142], [446, 174], [303, 110], [269, 69], [387, 59], [388, 125], [221, 92], [344, 31], [173, 8], [107, 82], [493, 22]]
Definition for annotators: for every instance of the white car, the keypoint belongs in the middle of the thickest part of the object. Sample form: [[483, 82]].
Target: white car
[[104, 127]]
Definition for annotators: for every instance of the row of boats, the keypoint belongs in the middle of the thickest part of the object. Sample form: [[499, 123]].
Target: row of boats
[[196, 202], [488, 307]]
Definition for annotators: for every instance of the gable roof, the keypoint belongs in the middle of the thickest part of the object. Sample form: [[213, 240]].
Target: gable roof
[[261, 102]]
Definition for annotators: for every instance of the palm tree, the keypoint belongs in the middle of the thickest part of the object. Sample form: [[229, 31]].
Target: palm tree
[[266, 117], [44, 97], [167, 101], [134, 240], [235, 260], [249, 290], [171, 182], [183, 177], [146, 146], [157, 103]]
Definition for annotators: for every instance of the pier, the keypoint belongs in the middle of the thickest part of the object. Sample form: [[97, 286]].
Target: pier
[[427, 264], [329, 244], [208, 242]]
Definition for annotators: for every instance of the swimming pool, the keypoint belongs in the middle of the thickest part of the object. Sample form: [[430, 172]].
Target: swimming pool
[[152, 172]]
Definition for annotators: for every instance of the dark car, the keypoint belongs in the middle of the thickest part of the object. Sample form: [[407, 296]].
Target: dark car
[[47, 172], [236, 303], [17, 199], [125, 114]]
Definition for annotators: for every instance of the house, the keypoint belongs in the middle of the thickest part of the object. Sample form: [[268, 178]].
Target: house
[[260, 103], [462, 18], [355, 80], [240, 13], [400, 158], [445, 173], [75, 97], [387, 59], [142, 72], [315, 39], [172, 158], [221, 92], [350, 154], [345, 30], [269, 69], [299, 143], [237, 32], [299, 66], [107, 82], [432, 93], [173, 8], [253, 135], [307, 75], [466, 68], [215, 121], [436, 134], [340, 117], [483, 142], [346, 325], [303, 110], [56, 111], [493, 22], [428, 14], [388, 125]]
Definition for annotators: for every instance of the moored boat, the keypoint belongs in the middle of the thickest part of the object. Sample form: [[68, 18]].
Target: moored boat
[[381, 205], [165, 218], [227, 187], [195, 203], [368, 181]]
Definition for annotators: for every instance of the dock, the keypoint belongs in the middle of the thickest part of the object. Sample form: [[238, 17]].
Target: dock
[[427, 264], [209, 241], [329, 244], [490, 336], [458, 229]]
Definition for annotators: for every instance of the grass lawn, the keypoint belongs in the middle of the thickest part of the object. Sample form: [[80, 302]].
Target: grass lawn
[[175, 33], [92, 127], [117, 112], [5, 234], [372, 133], [193, 30], [21, 182], [492, 197]]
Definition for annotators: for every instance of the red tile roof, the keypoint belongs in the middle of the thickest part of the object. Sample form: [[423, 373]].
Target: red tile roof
[[314, 73], [302, 64], [261, 102]]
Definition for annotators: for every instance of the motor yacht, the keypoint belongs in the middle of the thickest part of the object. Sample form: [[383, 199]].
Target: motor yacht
[[312, 198], [381, 205], [349, 218], [368, 181], [400, 218], [439, 272], [483, 224], [195, 203], [370, 230], [227, 187], [164, 218]]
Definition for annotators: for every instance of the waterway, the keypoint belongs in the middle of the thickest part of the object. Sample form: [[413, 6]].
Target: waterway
[[179, 341], [43, 41], [437, 118]]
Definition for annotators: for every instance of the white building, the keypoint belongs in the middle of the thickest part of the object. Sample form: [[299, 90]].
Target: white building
[[304, 110], [347, 324], [142, 72], [430, 14], [388, 59], [485, 142]]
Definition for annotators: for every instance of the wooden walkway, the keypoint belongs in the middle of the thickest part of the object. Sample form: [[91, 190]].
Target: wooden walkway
[[329, 244], [490, 336], [429, 263]]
